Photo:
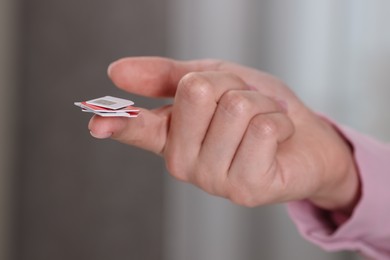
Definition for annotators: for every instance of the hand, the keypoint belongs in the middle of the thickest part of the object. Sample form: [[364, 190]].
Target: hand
[[234, 132]]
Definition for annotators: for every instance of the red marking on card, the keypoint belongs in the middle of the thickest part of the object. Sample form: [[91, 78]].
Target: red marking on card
[[133, 113], [103, 109]]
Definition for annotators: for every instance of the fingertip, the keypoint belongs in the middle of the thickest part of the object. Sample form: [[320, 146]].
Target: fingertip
[[109, 69], [100, 135], [102, 128], [148, 76], [91, 124], [113, 67], [126, 73]]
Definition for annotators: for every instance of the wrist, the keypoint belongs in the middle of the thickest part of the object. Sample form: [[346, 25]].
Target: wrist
[[342, 190]]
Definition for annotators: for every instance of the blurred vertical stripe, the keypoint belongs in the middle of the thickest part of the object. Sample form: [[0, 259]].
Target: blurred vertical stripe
[[8, 117]]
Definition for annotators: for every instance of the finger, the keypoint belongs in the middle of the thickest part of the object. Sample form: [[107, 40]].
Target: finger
[[147, 131], [235, 110], [193, 109], [159, 77], [255, 173]]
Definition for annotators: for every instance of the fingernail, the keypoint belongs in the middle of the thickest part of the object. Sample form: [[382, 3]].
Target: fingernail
[[110, 67], [101, 135]]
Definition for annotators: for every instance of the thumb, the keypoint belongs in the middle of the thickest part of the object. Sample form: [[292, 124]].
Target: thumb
[[147, 131]]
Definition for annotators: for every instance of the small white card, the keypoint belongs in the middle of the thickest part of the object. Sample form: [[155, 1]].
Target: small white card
[[110, 102], [117, 114], [109, 107]]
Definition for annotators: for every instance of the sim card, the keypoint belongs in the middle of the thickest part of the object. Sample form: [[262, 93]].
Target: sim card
[[109, 107]]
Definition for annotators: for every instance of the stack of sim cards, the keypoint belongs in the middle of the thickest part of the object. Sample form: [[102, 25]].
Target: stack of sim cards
[[109, 107]]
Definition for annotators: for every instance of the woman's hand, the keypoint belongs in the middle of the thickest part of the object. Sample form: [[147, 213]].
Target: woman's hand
[[234, 132]]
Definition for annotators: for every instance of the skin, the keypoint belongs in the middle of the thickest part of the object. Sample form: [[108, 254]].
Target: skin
[[234, 132]]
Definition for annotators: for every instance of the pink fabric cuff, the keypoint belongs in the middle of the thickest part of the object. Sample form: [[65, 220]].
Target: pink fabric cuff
[[368, 229]]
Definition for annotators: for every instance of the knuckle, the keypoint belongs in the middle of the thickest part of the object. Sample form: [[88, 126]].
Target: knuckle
[[263, 127], [194, 87], [175, 168], [202, 181], [202, 177], [234, 103], [243, 198]]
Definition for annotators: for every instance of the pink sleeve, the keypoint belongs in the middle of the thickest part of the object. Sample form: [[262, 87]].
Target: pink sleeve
[[367, 231]]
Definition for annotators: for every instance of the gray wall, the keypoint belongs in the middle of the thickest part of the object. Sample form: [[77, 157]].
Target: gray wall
[[80, 198], [8, 83]]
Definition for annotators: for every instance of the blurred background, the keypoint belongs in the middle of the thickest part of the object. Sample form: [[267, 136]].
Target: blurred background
[[65, 195]]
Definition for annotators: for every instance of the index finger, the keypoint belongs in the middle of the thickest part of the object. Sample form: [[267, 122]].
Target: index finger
[[154, 76]]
